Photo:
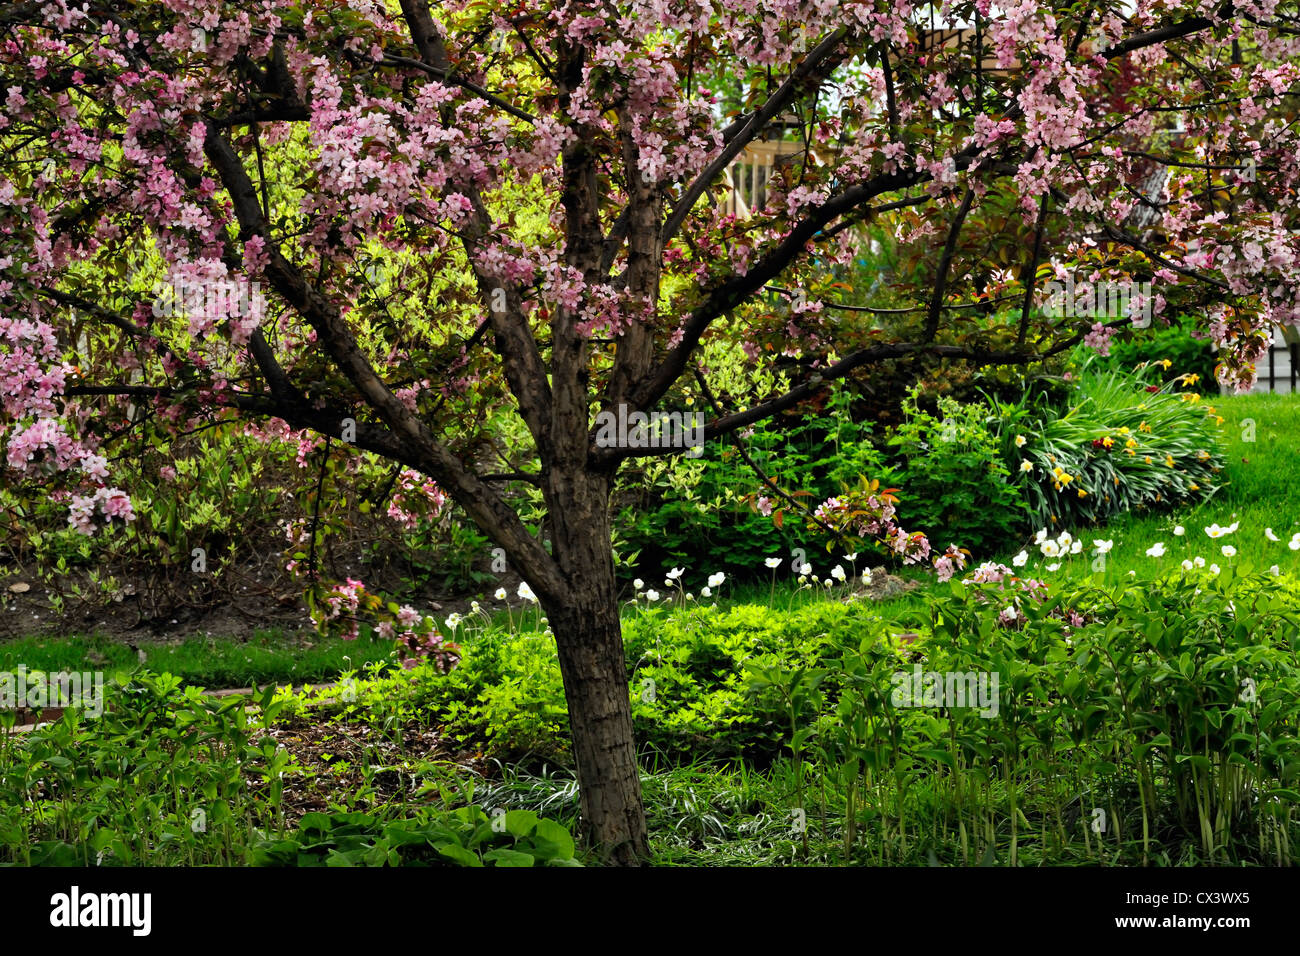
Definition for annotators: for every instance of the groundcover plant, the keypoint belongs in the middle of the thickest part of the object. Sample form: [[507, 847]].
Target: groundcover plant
[[491, 244]]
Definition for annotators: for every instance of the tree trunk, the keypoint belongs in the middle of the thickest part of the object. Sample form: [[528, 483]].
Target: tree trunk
[[589, 639], [590, 644]]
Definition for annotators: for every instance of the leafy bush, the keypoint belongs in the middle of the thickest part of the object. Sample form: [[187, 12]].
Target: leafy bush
[[123, 789], [953, 476], [679, 508], [689, 699], [1173, 343], [166, 776]]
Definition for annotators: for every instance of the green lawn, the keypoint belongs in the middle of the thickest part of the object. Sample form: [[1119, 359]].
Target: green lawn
[[206, 661]]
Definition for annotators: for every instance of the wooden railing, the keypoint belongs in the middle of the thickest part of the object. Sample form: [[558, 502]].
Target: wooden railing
[[749, 173]]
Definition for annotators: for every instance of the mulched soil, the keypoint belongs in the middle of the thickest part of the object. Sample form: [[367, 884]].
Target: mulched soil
[[328, 758]]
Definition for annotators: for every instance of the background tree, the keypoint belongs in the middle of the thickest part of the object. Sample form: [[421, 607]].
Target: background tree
[[367, 165]]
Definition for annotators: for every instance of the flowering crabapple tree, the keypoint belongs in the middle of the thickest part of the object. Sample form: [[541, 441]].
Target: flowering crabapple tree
[[465, 213]]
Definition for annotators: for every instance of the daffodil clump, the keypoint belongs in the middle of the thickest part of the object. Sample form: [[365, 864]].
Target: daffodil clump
[[1119, 447]]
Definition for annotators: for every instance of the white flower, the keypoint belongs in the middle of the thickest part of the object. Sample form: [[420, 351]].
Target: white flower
[[1103, 547], [1132, 574], [1041, 536], [1214, 569], [652, 595], [827, 582], [1064, 539], [690, 596], [1198, 561], [1228, 550], [1076, 547], [638, 584], [1274, 570], [453, 621], [716, 579], [501, 594], [1294, 543], [866, 576], [805, 568], [1187, 565], [526, 592], [1054, 566], [1050, 549], [474, 605], [1232, 527], [1026, 466], [1214, 531], [837, 573], [706, 592], [1156, 550], [1268, 533], [773, 563], [1179, 531], [675, 573], [1020, 441], [851, 557], [1020, 559]]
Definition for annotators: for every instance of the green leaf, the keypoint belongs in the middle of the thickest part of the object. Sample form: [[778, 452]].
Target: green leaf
[[505, 857]]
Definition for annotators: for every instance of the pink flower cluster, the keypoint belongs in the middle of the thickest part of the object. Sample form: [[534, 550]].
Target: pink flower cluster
[[342, 608], [415, 497], [871, 515], [105, 504]]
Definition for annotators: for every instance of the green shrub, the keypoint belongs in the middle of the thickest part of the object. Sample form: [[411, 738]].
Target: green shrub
[[953, 481], [1173, 343], [689, 698], [678, 509]]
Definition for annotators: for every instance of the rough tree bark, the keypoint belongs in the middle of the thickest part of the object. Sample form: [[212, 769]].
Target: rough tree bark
[[589, 641]]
